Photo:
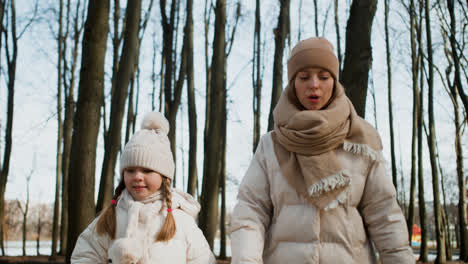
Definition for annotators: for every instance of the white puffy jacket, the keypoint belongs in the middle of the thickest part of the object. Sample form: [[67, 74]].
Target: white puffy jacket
[[187, 246]]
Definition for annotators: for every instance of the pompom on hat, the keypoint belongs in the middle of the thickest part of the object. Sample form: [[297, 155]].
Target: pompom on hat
[[313, 52], [150, 147]]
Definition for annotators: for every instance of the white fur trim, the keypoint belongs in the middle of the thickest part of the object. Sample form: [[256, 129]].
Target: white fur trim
[[330, 183], [362, 149]]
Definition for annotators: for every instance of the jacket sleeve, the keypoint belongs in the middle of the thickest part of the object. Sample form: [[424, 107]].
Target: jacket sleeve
[[383, 217], [252, 213], [90, 247], [198, 250]]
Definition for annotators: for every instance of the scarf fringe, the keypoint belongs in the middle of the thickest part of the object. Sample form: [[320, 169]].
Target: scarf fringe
[[341, 199], [362, 149], [327, 184]]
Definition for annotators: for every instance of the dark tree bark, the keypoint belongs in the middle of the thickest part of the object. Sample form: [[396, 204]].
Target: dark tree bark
[[257, 77], [11, 71], [455, 57], [281, 32], [81, 208], [316, 18], [172, 94], [358, 53], [440, 236], [208, 219], [338, 39], [127, 64], [390, 104], [415, 73], [69, 92], [58, 171], [192, 111]]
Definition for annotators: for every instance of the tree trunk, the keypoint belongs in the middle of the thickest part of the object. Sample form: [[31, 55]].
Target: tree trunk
[[414, 71], [11, 64], [256, 77], [390, 104], [455, 89], [168, 24], [281, 32], [126, 69], [192, 111], [38, 234], [316, 18], [58, 171], [440, 236], [456, 58], [208, 219], [81, 208], [338, 39], [358, 54]]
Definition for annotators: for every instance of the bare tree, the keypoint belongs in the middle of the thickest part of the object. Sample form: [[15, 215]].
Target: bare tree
[[81, 208], [208, 218], [58, 171], [338, 39], [440, 236], [358, 54], [11, 38], [25, 210], [257, 76], [281, 32], [127, 64], [192, 112], [69, 77]]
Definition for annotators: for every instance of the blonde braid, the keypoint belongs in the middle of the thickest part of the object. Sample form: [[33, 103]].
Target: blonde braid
[[107, 222], [168, 229]]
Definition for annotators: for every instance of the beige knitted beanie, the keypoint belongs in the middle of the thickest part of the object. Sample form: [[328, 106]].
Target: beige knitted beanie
[[150, 147], [313, 52]]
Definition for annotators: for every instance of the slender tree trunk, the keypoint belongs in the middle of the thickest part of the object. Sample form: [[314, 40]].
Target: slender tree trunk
[[58, 171], [281, 32], [81, 208], [338, 39], [390, 104], [192, 111], [11, 66], [358, 54], [38, 233], [207, 19], [440, 236], [455, 89], [456, 59], [127, 64], [256, 77], [316, 18], [414, 71], [208, 219]]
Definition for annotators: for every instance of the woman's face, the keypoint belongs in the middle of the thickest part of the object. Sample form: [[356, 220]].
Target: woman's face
[[314, 87], [141, 182]]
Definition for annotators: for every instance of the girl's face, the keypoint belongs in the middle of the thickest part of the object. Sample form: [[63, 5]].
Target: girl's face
[[314, 87], [141, 182]]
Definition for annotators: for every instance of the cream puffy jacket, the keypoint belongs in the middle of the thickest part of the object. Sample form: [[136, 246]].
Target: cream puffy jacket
[[187, 246], [273, 224]]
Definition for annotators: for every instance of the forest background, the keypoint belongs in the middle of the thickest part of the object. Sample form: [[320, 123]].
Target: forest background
[[393, 56]]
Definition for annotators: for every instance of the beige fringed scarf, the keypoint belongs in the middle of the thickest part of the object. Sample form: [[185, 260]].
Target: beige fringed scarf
[[305, 143]]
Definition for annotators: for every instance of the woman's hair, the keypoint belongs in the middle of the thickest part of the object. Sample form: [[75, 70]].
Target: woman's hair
[[107, 220], [168, 229]]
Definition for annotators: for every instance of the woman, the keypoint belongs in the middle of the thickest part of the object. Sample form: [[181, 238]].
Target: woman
[[317, 190]]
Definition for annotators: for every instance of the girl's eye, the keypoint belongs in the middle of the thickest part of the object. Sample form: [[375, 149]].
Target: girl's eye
[[147, 171], [323, 77]]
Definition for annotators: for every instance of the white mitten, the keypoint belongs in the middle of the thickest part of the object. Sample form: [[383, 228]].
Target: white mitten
[[126, 251]]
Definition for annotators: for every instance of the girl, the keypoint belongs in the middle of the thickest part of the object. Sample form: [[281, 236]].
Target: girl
[[317, 190], [147, 222]]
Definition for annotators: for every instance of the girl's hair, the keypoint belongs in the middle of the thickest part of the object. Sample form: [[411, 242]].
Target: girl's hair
[[168, 229], [107, 220]]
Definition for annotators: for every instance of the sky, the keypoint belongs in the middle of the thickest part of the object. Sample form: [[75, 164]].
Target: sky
[[35, 123]]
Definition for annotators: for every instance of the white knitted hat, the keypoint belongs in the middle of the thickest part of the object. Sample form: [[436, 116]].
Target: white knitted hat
[[150, 147]]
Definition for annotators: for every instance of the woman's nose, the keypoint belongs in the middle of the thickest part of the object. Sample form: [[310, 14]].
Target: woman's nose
[[313, 82]]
